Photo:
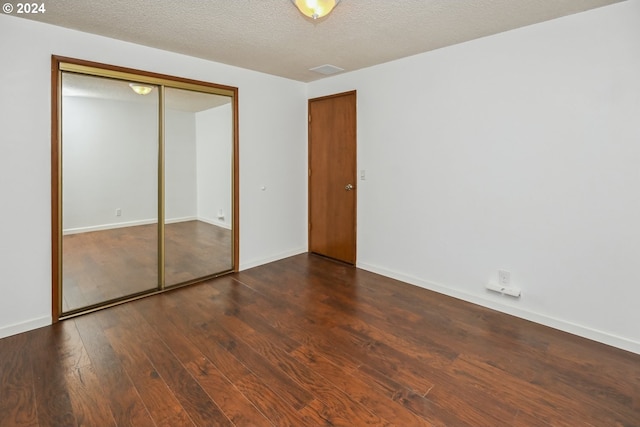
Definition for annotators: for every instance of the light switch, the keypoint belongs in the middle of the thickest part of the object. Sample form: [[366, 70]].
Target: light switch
[[362, 174]]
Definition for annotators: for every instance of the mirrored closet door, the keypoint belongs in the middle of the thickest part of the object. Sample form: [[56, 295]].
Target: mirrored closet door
[[198, 154], [144, 172], [109, 190]]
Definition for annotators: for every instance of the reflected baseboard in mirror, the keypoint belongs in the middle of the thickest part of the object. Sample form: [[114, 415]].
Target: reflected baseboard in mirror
[[109, 264]]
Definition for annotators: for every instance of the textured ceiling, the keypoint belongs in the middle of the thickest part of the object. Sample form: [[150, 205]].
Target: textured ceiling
[[271, 36]]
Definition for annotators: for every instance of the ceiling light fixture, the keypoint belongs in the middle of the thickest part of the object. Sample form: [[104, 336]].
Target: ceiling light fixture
[[141, 89], [315, 8]]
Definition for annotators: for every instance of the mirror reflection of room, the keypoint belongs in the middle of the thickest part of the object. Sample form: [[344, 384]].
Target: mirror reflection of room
[[111, 194], [198, 158]]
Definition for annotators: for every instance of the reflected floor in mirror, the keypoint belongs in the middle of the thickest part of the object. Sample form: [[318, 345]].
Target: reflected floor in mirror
[[104, 265]]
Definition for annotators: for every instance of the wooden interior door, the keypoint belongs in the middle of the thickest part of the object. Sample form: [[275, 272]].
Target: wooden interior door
[[332, 176]]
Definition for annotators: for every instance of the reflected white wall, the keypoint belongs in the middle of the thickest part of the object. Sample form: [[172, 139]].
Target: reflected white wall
[[180, 166], [110, 163], [110, 160], [214, 142]]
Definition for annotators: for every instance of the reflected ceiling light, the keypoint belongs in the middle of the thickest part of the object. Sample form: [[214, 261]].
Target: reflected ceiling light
[[315, 8], [141, 89]]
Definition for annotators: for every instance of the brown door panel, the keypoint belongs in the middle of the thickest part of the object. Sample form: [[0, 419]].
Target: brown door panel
[[332, 183]]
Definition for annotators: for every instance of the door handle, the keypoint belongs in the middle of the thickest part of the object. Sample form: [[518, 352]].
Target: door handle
[[348, 187]]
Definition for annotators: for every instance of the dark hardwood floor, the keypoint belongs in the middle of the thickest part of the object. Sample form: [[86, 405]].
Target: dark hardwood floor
[[105, 265], [309, 342]]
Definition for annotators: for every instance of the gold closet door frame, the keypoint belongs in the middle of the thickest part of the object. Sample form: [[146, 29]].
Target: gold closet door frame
[[60, 64]]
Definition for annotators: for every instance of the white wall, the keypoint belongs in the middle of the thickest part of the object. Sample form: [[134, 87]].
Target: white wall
[[110, 161], [519, 151], [272, 153], [214, 142], [180, 166]]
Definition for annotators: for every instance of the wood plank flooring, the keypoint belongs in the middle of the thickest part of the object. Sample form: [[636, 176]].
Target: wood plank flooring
[[100, 266], [310, 342]]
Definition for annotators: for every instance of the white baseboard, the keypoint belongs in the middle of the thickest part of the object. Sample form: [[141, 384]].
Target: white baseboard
[[262, 261], [181, 219], [17, 328], [563, 325], [215, 222], [112, 226]]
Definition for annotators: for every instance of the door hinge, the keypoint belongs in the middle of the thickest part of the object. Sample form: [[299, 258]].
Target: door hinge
[[309, 118], [309, 172]]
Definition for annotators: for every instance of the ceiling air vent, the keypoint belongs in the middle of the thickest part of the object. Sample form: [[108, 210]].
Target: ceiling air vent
[[327, 69]]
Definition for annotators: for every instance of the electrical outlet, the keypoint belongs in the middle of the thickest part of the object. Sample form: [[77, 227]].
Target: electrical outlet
[[118, 212], [504, 278]]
